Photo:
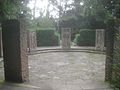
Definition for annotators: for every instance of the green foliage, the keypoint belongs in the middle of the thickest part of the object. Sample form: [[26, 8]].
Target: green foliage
[[83, 22], [116, 69], [113, 7], [45, 22], [85, 38], [116, 65], [92, 14], [77, 39], [41, 23], [47, 38], [10, 9]]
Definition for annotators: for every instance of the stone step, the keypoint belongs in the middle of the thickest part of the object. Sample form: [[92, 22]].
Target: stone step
[[61, 50]]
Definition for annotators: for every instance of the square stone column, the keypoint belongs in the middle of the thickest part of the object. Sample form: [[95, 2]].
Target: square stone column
[[31, 40], [100, 39], [110, 42], [15, 50], [1, 49], [66, 38]]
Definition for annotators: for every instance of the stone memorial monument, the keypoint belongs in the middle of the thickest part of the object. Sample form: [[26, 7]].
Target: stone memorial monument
[[100, 39], [66, 38]]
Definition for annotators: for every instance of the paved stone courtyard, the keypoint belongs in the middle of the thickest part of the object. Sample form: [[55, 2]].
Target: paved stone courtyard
[[63, 71]]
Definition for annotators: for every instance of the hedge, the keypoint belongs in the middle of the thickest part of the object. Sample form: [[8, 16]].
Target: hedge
[[47, 38], [85, 38]]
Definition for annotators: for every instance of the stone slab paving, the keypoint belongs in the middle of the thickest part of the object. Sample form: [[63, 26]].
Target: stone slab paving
[[64, 71], [68, 71]]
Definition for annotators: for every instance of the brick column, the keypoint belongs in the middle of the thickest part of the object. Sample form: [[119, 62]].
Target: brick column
[[66, 38], [100, 36], [15, 50]]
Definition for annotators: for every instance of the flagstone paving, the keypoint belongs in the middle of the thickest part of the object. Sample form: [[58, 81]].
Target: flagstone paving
[[63, 71]]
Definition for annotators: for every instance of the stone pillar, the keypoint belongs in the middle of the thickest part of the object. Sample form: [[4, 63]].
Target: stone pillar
[[31, 38], [15, 50], [1, 49], [100, 36], [66, 38], [28, 40], [109, 50], [35, 40]]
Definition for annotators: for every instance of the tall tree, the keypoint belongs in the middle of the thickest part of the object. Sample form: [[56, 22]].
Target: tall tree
[[11, 8]]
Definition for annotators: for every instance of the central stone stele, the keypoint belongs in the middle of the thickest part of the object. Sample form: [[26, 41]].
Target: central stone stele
[[66, 38]]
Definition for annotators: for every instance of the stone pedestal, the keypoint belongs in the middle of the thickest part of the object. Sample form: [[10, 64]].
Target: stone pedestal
[[15, 50], [100, 36], [66, 38]]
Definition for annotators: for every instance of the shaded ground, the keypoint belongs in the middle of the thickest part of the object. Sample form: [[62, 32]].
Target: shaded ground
[[64, 71]]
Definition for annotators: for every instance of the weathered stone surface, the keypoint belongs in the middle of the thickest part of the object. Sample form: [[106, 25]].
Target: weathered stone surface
[[69, 71], [23, 50], [66, 38], [32, 42], [100, 36], [15, 50], [109, 50], [1, 49]]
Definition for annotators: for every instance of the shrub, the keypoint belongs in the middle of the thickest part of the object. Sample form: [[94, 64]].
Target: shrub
[[85, 38], [116, 63], [47, 38], [76, 39], [116, 69]]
